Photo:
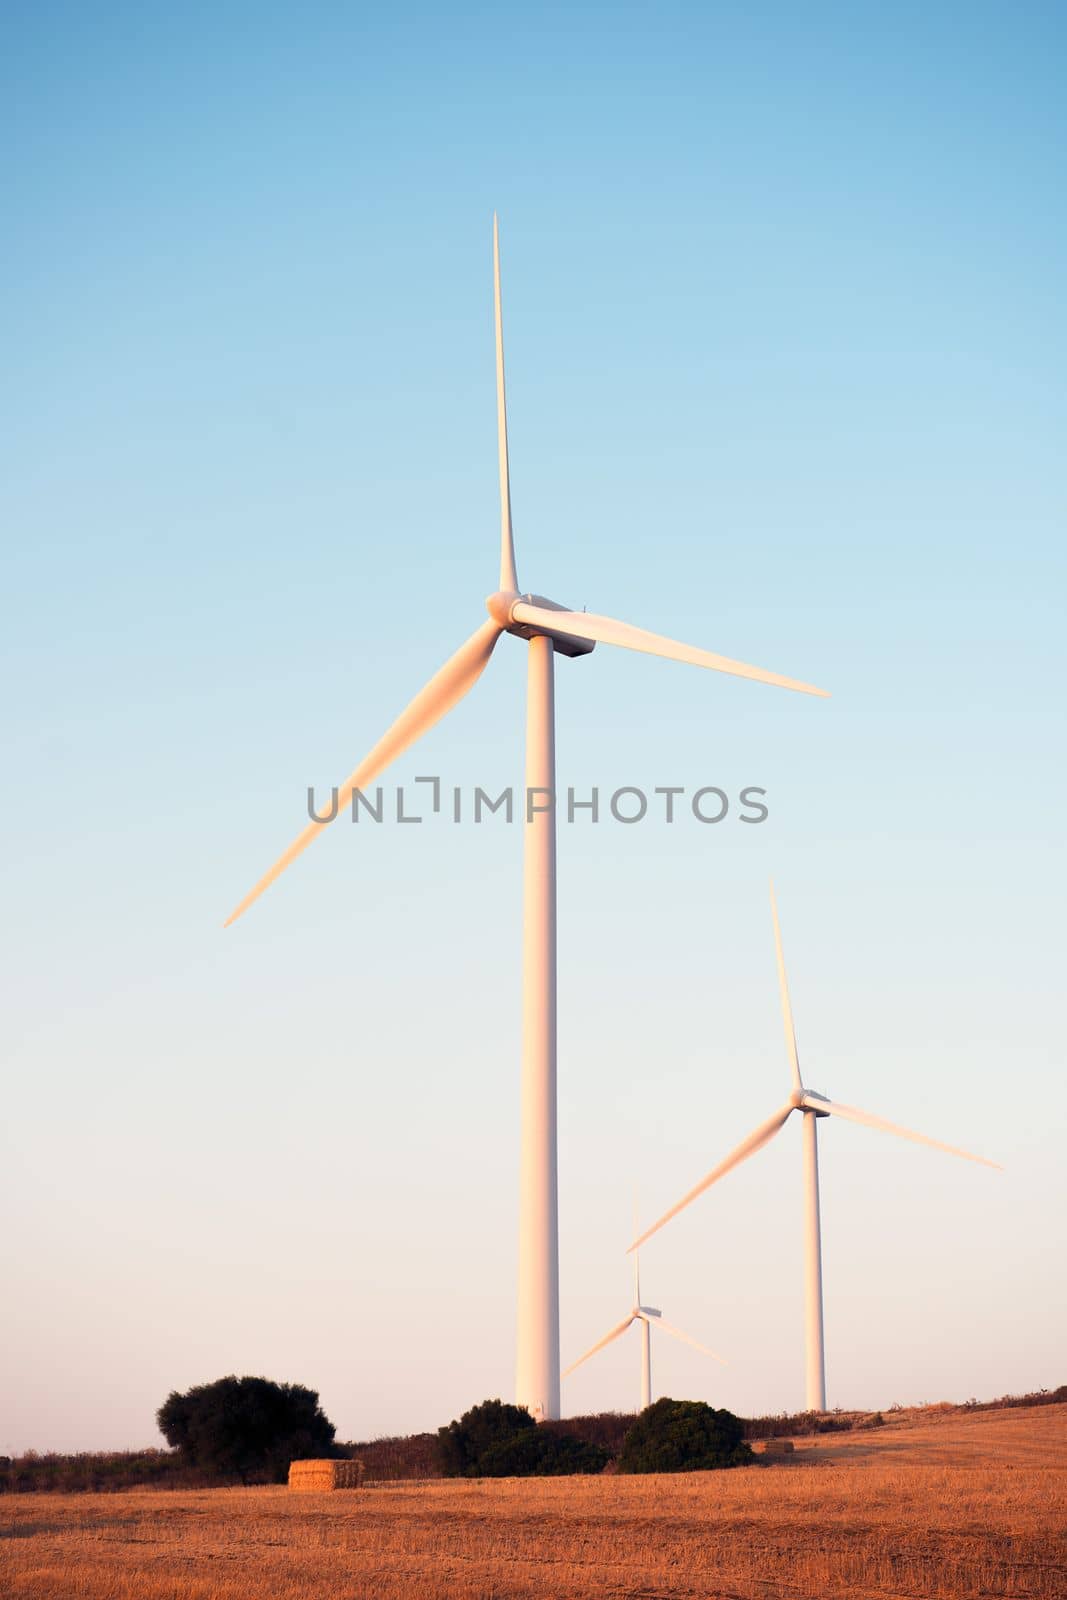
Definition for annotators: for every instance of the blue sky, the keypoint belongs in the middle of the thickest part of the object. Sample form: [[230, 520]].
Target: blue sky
[[783, 314]]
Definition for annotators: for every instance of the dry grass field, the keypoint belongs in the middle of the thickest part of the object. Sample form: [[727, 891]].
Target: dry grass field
[[944, 1505]]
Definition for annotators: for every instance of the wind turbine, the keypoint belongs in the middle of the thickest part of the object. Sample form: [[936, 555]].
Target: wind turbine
[[549, 629], [812, 1107], [644, 1315]]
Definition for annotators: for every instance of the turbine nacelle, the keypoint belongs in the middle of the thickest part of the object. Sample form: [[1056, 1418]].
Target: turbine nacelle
[[807, 1097], [501, 607], [646, 1311]]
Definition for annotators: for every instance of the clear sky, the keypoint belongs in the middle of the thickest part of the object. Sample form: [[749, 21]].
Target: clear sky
[[783, 293]]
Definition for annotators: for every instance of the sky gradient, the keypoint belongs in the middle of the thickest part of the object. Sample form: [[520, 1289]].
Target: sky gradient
[[783, 301]]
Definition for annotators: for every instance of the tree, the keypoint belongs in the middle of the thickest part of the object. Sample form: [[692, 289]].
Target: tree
[[246, 1427], [461, 1445], [683, 1436], [496, 1440], [535, 1453]]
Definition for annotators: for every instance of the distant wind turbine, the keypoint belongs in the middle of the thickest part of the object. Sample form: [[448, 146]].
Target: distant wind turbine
[[550, 629], [812, 1106], [644, 1315]]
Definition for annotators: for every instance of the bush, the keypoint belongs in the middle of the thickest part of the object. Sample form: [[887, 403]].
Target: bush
[[607, 1428], [246, 1428], [461, 1445], [684, 1436], [388, 1459], [535, 1454], [495, 1440]]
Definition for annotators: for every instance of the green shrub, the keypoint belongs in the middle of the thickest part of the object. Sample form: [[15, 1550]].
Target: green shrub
[[495, 1440], [461, 1445], [536, 1454], [684, 1436]]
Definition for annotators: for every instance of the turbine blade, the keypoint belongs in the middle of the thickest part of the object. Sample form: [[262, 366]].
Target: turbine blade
[[686, 1338], [787, 1009], [748, 1147], [606, 630], [508, 580], [851, 1114], [616, 1333], [637, 1257], [455, 679]]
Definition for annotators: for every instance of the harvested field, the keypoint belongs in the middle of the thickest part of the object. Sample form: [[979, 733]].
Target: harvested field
[[956, 1506]]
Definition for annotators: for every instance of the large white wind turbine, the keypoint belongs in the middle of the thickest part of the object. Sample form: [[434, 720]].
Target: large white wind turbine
[[549, 629], [812, 1106], [643, 1315]]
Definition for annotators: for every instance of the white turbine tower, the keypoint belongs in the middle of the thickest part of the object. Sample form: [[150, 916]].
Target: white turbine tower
[[549, 629], [643, 1315], [812, 1106]]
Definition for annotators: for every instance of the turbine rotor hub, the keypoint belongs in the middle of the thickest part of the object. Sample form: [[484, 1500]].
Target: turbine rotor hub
[[499, 606]]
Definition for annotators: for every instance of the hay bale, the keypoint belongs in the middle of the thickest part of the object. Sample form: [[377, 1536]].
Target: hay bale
[[776, 1447], [321, 1477]]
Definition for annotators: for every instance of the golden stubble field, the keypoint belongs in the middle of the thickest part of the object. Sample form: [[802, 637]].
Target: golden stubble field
[[949, 1505]]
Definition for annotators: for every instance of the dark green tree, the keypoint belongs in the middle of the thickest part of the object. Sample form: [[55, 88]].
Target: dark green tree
[[246, 1428], [496, 1440], [536, 1453], [461, 1445], [683, 1436]]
